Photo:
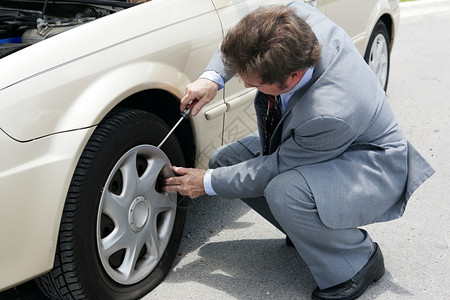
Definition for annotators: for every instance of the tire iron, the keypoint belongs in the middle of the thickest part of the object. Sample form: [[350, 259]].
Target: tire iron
[[184, 115]]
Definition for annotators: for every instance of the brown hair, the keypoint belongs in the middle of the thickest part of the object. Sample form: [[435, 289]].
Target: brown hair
[[270, 43]]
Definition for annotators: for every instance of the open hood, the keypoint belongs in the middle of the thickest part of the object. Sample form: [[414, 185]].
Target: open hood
[[26, 22]]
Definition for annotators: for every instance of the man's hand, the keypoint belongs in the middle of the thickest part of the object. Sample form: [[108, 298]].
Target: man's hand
[[189, 183], [200, 92]]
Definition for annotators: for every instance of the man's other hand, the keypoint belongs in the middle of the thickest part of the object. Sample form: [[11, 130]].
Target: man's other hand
[[188, 183]]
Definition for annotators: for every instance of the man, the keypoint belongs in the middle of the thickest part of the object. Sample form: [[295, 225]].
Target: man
[[337, 158]]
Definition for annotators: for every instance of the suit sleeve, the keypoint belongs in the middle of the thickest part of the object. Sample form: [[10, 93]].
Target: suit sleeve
[[318, 140], [216, 64]]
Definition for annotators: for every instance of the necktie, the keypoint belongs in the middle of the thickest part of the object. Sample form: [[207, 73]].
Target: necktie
[[273, 117]]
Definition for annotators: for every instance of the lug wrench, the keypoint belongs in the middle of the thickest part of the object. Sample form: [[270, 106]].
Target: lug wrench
[[184, 115]]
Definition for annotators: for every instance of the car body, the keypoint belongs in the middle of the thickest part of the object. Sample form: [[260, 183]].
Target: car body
[[83, 101]]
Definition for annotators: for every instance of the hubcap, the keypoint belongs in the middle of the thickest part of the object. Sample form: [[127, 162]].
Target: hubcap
[[135, 217], [138, 213]]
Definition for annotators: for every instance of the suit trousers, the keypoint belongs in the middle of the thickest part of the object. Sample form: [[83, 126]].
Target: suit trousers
[[332, 255]]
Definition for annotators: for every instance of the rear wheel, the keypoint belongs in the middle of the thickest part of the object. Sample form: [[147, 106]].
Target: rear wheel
[[378, 53], [119, 231]]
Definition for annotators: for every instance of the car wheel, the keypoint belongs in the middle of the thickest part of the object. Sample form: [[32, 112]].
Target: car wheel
[[378, 53], [119, 232]]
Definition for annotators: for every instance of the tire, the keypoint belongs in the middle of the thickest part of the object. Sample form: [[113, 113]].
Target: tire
[[119, 232], [377, 53]]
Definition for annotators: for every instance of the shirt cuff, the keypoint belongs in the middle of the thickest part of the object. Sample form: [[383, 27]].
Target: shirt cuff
[[214, 77], [207, 183]]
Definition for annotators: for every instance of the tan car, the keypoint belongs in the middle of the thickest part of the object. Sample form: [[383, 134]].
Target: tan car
[[88, 88]]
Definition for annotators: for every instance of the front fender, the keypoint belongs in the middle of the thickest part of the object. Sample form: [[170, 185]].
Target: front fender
[[64, 106], [34, 179], [108, 90]]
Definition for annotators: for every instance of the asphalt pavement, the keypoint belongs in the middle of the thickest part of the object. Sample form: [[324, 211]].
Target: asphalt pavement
[[229, 252]]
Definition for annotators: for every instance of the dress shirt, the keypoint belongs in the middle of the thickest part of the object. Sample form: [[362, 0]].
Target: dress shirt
[[215, 77]]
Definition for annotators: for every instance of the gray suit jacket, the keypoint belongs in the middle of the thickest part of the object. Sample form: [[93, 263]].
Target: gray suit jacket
[[340, 133]]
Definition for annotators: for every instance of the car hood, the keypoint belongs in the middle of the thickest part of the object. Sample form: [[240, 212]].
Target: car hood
[[80, 41]]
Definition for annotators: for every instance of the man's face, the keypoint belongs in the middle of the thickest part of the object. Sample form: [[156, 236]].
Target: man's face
[[273, 89]]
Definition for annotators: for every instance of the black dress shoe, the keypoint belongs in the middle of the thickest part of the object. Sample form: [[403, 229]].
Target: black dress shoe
[[353, 288]]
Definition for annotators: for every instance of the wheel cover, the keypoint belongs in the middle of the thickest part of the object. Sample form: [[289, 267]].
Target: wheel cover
[[379, 58], [135, 218]]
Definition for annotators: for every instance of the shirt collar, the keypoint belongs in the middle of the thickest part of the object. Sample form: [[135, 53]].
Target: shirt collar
[[305, 79]]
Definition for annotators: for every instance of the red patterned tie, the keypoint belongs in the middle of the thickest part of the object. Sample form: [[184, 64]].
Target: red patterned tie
[[273, 117]]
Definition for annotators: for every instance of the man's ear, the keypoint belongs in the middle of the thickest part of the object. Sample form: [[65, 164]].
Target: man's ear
[[295, 77], [298, 74]]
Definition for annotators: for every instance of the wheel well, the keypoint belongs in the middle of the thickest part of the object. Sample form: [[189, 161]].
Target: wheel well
[[167, 107], [387, 20]]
